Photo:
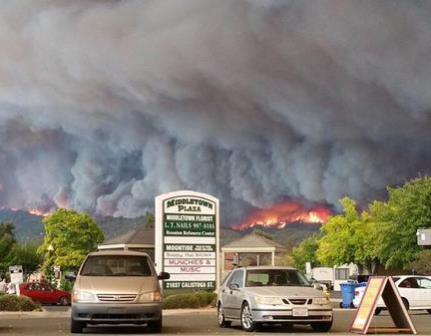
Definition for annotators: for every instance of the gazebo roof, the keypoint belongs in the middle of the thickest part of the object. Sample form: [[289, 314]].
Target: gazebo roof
[[255, 242], [138, 236]]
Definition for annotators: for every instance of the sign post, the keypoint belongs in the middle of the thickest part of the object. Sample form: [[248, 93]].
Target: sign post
[[382, 287], [16, 277], [187, 239]]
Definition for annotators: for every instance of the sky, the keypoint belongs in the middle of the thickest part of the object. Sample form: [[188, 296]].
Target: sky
[[106, 104]]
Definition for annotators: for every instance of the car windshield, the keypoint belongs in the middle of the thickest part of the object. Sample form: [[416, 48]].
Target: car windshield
[[116, 265], [275, 277]]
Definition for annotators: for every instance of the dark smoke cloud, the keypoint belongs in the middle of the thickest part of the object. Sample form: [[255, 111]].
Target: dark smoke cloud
[[106, 104]]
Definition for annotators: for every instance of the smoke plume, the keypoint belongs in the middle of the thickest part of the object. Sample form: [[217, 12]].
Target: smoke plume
[[106, 104]]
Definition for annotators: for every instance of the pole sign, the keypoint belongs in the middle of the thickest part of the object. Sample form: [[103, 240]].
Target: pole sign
[[187, 239]]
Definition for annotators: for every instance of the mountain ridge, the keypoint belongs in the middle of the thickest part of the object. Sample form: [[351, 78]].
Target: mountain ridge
[[29, 227]]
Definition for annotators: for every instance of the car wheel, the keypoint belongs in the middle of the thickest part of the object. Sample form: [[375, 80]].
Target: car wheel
[[321, 326], [378, 311], [429, 311], [222, 323], [406, 303], [247, 322], [77, 327], [63, 301], [155, 327]]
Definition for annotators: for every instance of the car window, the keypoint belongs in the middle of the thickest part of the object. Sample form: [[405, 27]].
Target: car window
[[409, 283], [34, 287], [424, 283], [226, 278], [45, 288], [237, 278], [116, 265], [275, 277]]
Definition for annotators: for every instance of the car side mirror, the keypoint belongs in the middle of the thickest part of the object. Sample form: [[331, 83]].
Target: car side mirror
[[233, 286], [163, 276]]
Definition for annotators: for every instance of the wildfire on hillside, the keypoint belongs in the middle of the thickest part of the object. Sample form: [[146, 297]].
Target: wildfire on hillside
[[284, 214], [39, 213]]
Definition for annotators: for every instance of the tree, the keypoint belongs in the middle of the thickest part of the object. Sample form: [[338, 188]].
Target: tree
[[422, 263], [149, 219], [407, 210], [306, 252], [349, 238], [285, 260], [69, 237], [337, 245], [26, 255], [7, 241]]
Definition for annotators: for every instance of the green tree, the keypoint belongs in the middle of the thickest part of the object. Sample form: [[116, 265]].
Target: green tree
[[422, 263], [69, 237], [149, 219], [306, 252], [408, 209], [350, 237], [285, 260], [337, 245], [7, 241], [26, 255]]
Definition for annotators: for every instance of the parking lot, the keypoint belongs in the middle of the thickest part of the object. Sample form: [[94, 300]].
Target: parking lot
[[55, 321]]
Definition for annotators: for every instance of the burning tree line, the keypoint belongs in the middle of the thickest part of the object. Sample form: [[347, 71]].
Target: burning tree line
[[381, 236]]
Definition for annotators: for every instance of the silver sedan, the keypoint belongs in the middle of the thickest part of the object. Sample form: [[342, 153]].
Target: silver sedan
[[257, 295]]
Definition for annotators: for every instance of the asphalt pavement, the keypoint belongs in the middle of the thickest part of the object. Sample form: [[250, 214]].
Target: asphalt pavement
[[56, 321]]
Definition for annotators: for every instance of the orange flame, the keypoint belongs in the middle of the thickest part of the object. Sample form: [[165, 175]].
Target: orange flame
[[283, 214], [38, 212]]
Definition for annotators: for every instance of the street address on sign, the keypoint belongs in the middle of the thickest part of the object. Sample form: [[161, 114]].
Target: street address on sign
[[187, 231]]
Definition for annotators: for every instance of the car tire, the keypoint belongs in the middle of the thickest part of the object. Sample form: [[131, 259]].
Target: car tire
[[321, 326], [77, 327], [429, 311], [246, 318], [63, 301], [406, 303], [222, 323], [378, 311], [155, 327]]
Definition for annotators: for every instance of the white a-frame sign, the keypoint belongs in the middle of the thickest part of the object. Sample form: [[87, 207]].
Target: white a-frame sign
[[384, 287]]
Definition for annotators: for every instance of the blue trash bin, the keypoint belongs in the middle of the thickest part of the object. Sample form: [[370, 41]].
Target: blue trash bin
[[348, 293]]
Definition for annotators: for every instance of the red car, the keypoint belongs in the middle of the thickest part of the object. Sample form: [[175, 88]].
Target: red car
[[44, 293]]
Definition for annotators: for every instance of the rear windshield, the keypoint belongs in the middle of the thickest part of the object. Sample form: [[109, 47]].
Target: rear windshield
[[116, 265], [275, 277]]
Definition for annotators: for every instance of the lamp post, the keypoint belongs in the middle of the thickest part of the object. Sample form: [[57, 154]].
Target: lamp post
[[49, 269]]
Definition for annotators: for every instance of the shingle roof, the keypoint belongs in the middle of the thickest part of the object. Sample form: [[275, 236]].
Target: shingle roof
[[140, 235], [254, 240]]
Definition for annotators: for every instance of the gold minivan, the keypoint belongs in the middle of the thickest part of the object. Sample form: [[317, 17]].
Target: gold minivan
[[117, 287]]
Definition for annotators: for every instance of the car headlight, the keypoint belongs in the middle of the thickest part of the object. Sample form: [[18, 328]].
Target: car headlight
[[267, 300], [321, 301], [80, 296], [150, 297]]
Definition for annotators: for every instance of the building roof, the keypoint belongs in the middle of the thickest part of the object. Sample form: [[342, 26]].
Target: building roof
[[138, 236], [254, 241]]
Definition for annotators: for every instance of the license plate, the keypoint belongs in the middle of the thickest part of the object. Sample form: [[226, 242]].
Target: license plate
[[300, 312], [114, 310]]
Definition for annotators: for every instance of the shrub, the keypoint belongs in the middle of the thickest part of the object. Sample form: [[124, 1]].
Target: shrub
[[189, 300], [66, 285], [205, 298], [17, 303]]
